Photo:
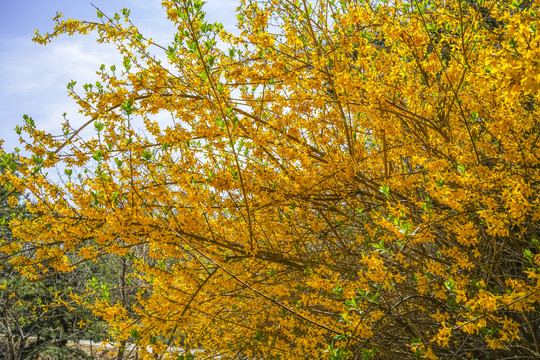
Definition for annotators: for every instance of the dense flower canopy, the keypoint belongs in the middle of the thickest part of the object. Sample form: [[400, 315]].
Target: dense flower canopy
[[341, 179]]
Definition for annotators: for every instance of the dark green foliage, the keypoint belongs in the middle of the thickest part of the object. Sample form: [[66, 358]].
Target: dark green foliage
[[33, 323]]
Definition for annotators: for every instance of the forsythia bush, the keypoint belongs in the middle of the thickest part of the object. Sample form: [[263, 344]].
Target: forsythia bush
[[338, 180]]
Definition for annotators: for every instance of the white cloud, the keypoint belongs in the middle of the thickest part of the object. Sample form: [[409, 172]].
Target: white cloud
[[33, 78]]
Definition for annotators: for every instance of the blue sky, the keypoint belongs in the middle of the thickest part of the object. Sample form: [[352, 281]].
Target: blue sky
[[33, 78]]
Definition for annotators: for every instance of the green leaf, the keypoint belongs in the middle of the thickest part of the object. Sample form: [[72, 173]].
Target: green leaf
[[210, 61], [127, 107], [146, 155], [127, 63], [98, 126], [71, 84], [38, 160], [98, 155], [220, 122], [449, 285], [220, 88]]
